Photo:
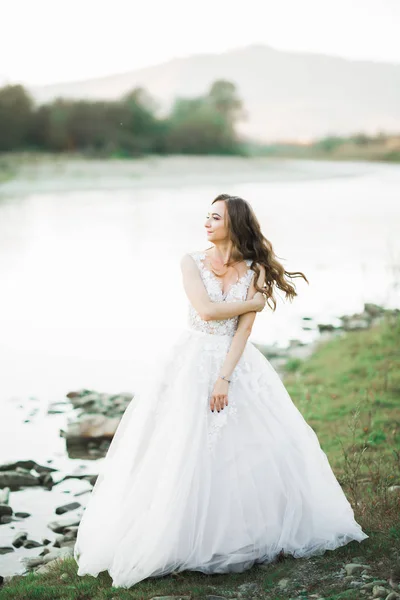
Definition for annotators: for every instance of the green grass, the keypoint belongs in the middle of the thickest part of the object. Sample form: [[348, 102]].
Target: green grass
[[360, 369], [349, 392]]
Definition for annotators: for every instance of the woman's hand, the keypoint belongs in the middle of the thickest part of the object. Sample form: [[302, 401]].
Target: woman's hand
[[259, 301], [219, 396]]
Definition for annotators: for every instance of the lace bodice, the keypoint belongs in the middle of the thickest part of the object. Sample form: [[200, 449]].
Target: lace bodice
[[236, 292]]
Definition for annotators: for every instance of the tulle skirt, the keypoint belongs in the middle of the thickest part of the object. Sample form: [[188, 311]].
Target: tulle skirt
[[185, 488]]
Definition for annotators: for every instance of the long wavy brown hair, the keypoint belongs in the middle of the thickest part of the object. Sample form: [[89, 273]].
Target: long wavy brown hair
[[249, 243]]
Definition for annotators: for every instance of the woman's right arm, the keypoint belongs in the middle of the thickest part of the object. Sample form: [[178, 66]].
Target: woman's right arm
[[200, 300]]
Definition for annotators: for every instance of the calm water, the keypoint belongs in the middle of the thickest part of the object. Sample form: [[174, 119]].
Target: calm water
[[91, 290], [91, 282]]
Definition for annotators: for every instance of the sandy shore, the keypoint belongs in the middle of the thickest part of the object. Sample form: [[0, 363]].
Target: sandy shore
[[34, 173]]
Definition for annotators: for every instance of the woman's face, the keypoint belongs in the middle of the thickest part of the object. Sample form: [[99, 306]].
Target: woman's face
[[216, 222]]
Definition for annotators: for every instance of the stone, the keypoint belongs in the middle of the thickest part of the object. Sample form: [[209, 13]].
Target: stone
[[370, 584], [32, 544], [5, 495], [6, 519], [92, 426], [6, 549], [5, 509], [246, 590], [16, 480], [19, 539], [60, 510], [60, 525], [26, 466], [354, 568], [379, 592]]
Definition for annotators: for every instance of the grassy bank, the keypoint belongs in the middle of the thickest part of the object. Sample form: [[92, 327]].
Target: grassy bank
[[384, 148], [349, 391]]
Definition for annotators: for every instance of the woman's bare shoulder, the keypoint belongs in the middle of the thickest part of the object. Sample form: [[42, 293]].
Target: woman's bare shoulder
[[189, 258]]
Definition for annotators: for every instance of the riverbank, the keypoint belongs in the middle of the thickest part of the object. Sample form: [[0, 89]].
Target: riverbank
[[349, 392], [29, 173]]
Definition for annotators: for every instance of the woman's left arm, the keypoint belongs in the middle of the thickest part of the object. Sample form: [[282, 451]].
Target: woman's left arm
[[219, 396]]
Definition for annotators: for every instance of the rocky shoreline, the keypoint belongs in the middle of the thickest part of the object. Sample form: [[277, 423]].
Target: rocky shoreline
[[92, 421]]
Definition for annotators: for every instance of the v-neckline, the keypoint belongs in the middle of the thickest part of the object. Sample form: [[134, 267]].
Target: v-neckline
[[215, 278]]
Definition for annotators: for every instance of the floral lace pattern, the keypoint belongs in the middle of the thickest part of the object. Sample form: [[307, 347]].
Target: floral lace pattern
[[217, 345], [236, 292]]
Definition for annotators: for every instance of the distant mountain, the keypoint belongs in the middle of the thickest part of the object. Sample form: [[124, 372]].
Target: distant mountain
[[287, 95]]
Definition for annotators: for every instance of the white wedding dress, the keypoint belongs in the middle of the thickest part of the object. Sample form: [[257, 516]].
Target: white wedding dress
[[185, 488]]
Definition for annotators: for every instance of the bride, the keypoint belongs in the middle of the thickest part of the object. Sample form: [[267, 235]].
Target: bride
[[213, 468]]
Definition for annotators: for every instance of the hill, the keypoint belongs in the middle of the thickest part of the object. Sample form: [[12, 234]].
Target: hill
[[287, 95]]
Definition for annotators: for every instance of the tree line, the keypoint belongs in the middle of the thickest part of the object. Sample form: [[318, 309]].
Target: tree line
[[130, 126]]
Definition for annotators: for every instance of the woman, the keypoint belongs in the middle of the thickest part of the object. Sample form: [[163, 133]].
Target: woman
[[214, 469]]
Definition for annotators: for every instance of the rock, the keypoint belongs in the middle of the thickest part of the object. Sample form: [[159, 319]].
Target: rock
[[355, 568], [246, 590], [6, 549], [370, 584], [356, 323], [392, 596], [27, 465], [6, 519], [55, 553], [95, 452], [43, 569], [32, 562], [5, 495], [379, 592], [46, 480], [22, 515], [95, 402], [71, 535], [64, 577], [283, 583], [89, 426], [325, 327], [19, 539], [32, 544], [71, 530], [170, 598], [356, 584], [394, 577], [5, 509], [60, 510], [16, 480], [394, 488], [60, 525], [68, 543], [58, 541]]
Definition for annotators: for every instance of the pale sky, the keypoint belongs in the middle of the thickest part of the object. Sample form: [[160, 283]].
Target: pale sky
[[49, 41]]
